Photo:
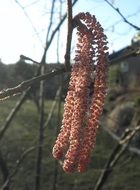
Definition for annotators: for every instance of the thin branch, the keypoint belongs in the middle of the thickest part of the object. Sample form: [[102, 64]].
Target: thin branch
[[128, 138], [51, 19], [42, 111], [12, 114], [69, 35], [31, 4], [119, 21], [119, 149], [58, 36], [41, 132], [52, 107], [41, 136], [123, 17], [9, 92], [57, 129], [118, 139], [28, 59], [15, 169], [27, 16], [48, 43]]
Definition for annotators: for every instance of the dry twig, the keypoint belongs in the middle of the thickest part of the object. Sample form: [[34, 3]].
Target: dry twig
[[4, 94], [15, 169], [69, 35], [123, 17], [117, 152]]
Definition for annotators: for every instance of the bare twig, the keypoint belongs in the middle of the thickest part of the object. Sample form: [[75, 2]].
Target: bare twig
[[123, 17], [120, 20], [58, 36], [41, 135], [128, 138], [28, 59], [51, 19], [30, 21], [52, 108], [57, 28], [118, 139], [4, 94], [115, 156], [57, 129], [69, 35], [12, 114], [42, 112], [15, 169]]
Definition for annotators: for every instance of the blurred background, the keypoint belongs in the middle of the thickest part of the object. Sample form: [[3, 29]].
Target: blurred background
[[29, 123]]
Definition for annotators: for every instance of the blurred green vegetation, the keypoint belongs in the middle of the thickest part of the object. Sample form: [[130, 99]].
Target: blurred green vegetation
[[23, 134], [114, 75]]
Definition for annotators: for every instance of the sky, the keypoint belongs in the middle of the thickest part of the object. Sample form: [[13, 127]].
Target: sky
[[24, 26]]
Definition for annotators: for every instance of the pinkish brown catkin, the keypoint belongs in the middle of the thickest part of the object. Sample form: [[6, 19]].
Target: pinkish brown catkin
[[86, 95]]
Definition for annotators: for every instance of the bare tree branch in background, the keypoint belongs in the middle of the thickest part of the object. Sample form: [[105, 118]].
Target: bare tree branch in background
[[58, 35], [51, 20], [12, 114], [69, 35], [42, 111], [16, 167], [116, 138], [59, 99], [123, 17], [27, 16], [117, 152], [119, 21], [57, 28], [7, 93], [25, 58]]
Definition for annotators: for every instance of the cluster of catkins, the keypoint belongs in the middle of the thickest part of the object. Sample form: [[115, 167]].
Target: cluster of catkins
[[85, 98]]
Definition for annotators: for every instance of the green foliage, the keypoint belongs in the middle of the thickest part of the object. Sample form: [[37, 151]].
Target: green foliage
[[23, 134]]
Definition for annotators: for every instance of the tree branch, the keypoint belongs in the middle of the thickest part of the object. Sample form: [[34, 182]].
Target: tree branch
[[52, 107], [119, 149], [12, 114], [123, 17], [9, 92], [15, 169], [30, 21], [57, 28], [69, 35], [51, 19], [28, 59]]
